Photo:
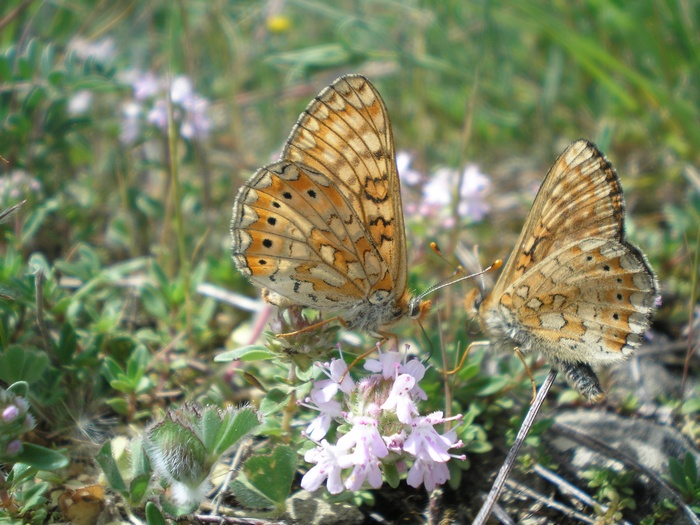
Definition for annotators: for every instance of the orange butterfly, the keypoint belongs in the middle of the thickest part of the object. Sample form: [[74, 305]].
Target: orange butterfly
[[323, 226]]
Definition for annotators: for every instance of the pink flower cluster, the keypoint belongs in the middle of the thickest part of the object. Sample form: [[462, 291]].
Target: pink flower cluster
[[150, 104], [382, 426]]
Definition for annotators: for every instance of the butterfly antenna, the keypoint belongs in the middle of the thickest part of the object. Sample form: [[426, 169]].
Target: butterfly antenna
[[458, 269], [495, 265], [482, 281]]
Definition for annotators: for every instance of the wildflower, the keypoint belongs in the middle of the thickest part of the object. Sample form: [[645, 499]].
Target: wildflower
[[158, 115], [437, 193], [146, 85], [379, 424], [29, 423], [425, 442], [80, 102], [408, 175], [14, 421], [13, 448], [472, 192], [430, 449], [278, 24], [384, 364], [190, 110], [17, 185], [429, 473], [401, 400], [322, 397], [196, 122], [130, 124], [101, 50], [10, 413], [328, 459]]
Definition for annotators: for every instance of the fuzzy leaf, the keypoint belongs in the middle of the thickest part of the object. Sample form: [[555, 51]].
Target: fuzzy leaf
[[235, 426], [109, 466]]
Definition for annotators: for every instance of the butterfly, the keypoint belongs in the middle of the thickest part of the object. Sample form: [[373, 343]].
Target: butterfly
[[574, 288], [323, 227]]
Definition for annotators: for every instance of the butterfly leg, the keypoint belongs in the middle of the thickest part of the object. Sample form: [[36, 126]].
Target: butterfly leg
[[528, 371], [385, 336], [358, 359], [312, 327], [464, 357], [583, 379]]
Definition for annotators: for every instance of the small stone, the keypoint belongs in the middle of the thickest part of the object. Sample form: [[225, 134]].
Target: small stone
[[313, 509]]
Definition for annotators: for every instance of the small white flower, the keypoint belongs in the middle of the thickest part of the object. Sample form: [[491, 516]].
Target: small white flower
[[379, 410], [400, 399], [327, 459], [101, 50], [146, 85], [80, 102], [428, 472], [130, 123]]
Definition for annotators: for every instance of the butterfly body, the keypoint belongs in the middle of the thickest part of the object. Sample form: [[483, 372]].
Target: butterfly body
[[574, 288], [323, 227]]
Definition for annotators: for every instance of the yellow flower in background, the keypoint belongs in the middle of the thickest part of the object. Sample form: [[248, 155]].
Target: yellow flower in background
[[278, 23]]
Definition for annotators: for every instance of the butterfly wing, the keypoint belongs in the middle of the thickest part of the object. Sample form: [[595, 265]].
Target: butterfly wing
[[296, 234], [345, 133], [581, 197], [590, 301]]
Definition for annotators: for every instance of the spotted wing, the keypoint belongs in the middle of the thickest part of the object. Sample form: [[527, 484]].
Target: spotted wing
[[295, 233], [590, 301], [346, 134], [580, 198]]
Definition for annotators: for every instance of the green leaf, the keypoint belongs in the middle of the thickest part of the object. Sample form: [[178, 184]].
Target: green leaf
[[109, 466], [139, 459], [210, 425], [247, 353], [67, 344], [138, 487], [261, 490], [690, 406], [119, 405], [153, 515], [248, 495], [493, 385], [34, 98], [34, 496], [19, 364], [20, 473], [236, 424], [5, 69], [40, 457], [690, 469], [478, 447], [391, 475], [111, 369], [274, 401], [47, 60], [186, 459], [676, 470]]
